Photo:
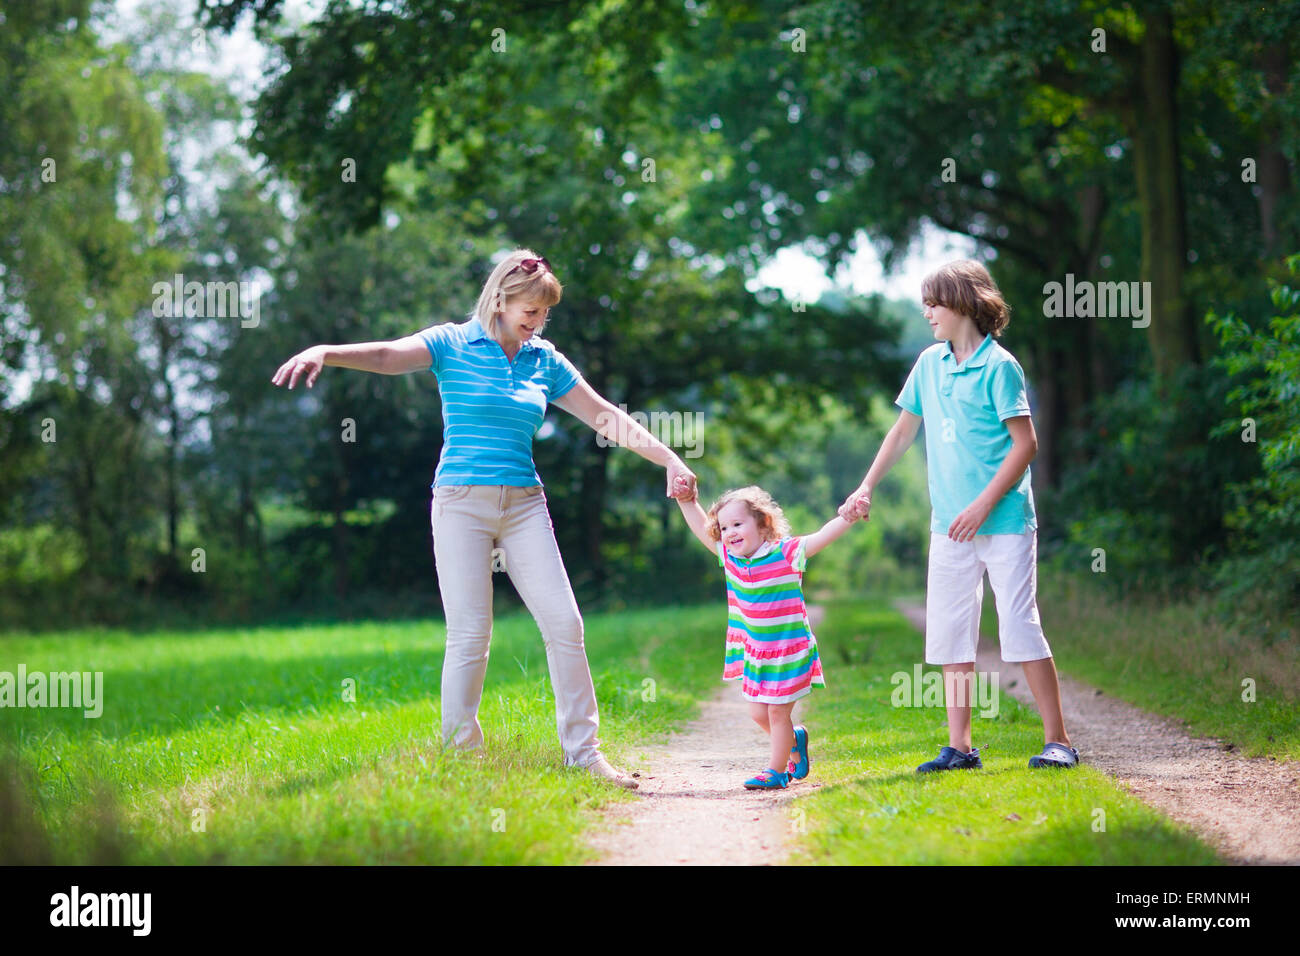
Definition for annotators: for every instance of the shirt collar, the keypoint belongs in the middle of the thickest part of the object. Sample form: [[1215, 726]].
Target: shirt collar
[[978, 359], [761, 551], [475, 331]]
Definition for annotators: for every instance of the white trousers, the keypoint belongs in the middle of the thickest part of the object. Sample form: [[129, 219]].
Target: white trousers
[[481, 528], [954, 594]]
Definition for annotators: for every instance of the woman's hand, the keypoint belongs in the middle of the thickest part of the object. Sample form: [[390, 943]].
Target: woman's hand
[[679, 489], [856, 505], [309, 361]]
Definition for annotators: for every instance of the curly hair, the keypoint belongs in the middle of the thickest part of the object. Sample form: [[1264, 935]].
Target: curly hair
[[965, 286], [771, 519]]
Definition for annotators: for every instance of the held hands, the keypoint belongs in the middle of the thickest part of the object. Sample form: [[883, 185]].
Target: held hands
[[856, 505], [310, 361], [681, 482]]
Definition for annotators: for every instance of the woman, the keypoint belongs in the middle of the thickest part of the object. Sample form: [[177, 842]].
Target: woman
[[496, 376]]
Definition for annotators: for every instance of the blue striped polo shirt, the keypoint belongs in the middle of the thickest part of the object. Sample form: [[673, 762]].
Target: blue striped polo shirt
[[492, 406]]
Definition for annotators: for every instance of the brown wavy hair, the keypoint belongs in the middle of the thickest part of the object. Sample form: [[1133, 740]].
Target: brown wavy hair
[[771, 519], [965, 286]]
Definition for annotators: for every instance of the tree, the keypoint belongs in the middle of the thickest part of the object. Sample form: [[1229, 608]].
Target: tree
[[560, 137], [81, 165]]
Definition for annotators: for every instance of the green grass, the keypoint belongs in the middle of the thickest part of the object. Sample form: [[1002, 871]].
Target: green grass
[[1176, 659], [871, 808], [249, 728]]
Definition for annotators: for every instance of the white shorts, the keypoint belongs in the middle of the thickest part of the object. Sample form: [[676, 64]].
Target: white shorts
[[954, 593]]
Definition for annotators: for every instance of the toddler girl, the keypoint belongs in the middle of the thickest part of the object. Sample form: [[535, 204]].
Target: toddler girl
[[770, 645]]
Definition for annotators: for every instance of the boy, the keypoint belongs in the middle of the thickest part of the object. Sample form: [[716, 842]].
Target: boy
[[979, 441]]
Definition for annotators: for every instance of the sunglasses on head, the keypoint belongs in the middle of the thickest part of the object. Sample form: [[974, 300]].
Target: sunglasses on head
[[529, 266]]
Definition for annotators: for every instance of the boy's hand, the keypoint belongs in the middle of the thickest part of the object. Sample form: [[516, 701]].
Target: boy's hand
[[965, 525]]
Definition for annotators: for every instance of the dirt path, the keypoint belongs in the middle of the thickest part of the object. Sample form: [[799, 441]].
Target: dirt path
[[692, 808], [1245, 808]]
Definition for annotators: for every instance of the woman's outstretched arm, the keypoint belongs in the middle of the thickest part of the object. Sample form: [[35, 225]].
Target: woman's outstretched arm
[[584, 404], [397, 357]]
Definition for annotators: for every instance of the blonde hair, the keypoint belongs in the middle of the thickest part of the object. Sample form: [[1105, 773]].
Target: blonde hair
[[502, 286], [771, 519], [965, 286]]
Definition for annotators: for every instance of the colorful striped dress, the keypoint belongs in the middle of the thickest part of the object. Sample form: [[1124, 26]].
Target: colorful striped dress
[[770, 644]]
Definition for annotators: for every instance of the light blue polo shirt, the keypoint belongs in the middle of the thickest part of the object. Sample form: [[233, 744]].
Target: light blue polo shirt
[[964, 408], [492, 406]]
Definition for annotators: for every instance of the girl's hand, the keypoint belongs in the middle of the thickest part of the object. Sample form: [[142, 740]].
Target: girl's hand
[[856, 505], [310, 361], [965, 525], [677, 471]]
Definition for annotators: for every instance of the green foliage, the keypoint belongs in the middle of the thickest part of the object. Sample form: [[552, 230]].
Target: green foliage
[[1263, 513], [563, 139], [824, 462], [1149, 490], [81, 170], [1198, 482], [171, 437]]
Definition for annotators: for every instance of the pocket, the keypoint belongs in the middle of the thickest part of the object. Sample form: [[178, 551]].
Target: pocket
[[450, 492], [533, 495], [534, 500], [444, 494]]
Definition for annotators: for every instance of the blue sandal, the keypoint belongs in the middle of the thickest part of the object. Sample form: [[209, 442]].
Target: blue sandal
[[1056, 755], [769, 779], [799, 761]]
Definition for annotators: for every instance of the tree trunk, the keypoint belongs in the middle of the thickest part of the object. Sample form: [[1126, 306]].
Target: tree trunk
[[165, 342], [1046, 467], [1273, 174], [1152, 121]]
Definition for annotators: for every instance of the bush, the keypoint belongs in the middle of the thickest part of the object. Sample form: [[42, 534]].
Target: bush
[[1262, 517], [1152, 490]]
